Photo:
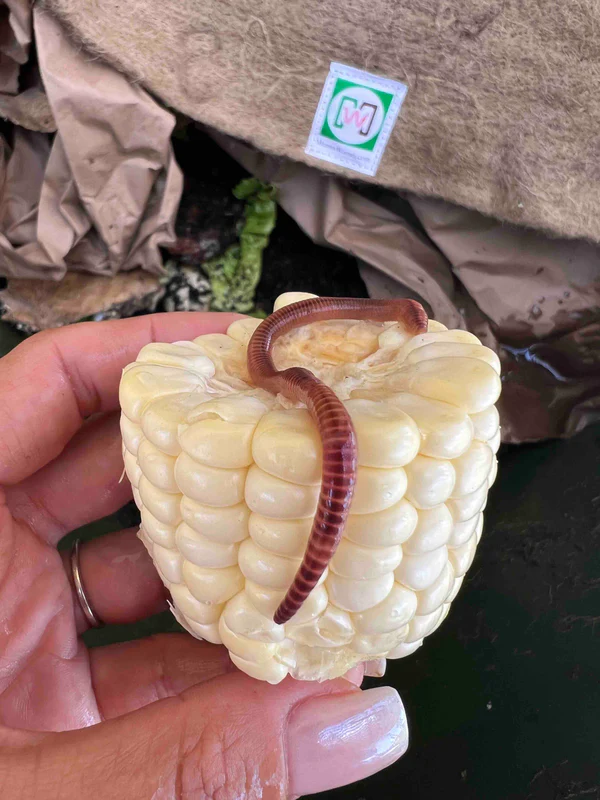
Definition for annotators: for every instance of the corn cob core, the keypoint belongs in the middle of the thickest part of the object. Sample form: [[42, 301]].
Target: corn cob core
[[227, 477]]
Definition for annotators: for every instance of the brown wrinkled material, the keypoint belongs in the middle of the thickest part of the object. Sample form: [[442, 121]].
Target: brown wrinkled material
[[534, 300], [527, 284], [502, 112], [102, 194], [541, 300], [15, 24]]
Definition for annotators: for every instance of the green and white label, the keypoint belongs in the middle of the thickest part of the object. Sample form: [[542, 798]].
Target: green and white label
[[354, 119]]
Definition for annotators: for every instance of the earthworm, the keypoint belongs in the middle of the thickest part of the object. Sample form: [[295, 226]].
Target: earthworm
[[329, 413]]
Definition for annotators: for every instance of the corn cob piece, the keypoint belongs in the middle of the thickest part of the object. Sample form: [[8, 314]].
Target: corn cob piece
[[227, 478]]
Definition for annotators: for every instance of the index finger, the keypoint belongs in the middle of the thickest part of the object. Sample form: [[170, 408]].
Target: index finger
[[50, 383]]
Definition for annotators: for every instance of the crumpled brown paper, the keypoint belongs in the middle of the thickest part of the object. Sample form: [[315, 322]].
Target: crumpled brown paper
[[22, 97], [14, 42], [534, 300], [540, 299], [102, 195]]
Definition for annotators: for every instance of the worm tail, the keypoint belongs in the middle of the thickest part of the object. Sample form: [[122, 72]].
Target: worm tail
[[330, 415]]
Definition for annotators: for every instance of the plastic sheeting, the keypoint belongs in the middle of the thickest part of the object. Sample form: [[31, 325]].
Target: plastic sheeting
[[534, 300]]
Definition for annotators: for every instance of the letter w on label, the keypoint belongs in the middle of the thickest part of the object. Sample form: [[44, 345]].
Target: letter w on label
[[349, 114]]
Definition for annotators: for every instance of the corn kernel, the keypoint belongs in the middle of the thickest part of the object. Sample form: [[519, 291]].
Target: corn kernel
[[227, 479]]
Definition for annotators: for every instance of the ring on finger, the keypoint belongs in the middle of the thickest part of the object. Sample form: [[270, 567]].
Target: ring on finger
[[91, 617]]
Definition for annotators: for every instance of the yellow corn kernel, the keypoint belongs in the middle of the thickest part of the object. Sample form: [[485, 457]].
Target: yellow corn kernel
[[358, 595], [437, 594], [209, 485], [430, 481], [385, 528], [157, 466], [361, 563], [394, 612], [386, 436], [274, 497], [377, 489]]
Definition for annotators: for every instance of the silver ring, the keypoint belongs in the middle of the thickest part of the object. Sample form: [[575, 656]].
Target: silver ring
[[86, 607]]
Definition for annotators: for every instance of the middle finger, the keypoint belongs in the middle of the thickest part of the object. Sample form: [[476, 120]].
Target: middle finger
[[80, 486], [131, 675]]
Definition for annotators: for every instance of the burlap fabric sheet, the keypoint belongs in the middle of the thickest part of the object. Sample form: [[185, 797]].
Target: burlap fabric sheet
[[502, 112]]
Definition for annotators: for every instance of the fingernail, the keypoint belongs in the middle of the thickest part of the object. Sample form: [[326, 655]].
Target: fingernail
[[338, 739], [355, 675], [375, 668]]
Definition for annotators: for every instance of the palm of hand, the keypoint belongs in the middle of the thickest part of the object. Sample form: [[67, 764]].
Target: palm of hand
[[45, 679], [60, 465]]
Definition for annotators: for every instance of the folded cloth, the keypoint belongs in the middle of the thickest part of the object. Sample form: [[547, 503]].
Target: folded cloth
[[501, 116]]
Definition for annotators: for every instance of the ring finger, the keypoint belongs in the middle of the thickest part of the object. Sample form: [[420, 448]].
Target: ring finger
[[119, 580]]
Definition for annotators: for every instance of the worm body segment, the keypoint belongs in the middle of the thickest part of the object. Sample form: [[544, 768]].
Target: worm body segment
[[331, 417]]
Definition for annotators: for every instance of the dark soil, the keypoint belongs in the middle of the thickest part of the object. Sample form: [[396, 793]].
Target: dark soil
[[208, 221]]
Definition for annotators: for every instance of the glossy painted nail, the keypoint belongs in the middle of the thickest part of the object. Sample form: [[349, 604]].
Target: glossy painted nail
[[356, 675], [338, 739], [375, 668]]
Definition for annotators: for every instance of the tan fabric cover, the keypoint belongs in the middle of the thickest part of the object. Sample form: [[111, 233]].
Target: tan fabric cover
[[35, 305], [29, 109], [503, 108], [500, 111]]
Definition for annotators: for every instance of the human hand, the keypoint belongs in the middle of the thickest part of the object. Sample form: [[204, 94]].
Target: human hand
[[165, 717]]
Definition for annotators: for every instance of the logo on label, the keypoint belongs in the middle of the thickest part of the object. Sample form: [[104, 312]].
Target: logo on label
[[354, 118], [355, 114]]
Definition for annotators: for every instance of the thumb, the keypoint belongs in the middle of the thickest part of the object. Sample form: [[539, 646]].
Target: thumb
[[230, 738]]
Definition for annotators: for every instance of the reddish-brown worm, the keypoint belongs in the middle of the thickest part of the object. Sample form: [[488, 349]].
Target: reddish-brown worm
[[329, 413]]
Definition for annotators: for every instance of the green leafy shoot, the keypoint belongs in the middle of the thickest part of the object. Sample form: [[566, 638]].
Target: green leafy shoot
[[234, 275]]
